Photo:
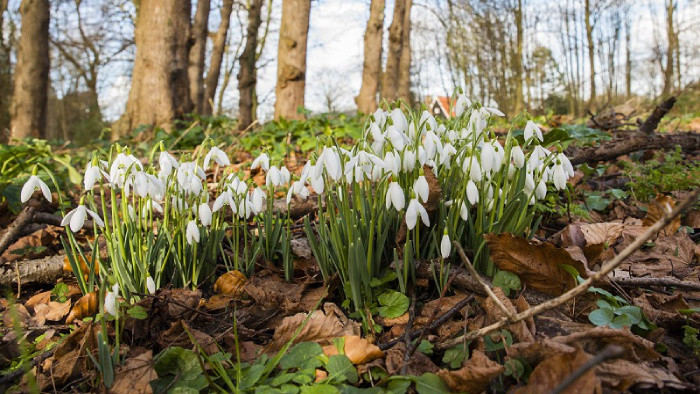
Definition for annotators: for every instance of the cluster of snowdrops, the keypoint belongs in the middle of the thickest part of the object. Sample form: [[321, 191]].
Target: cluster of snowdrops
[[399, 195]]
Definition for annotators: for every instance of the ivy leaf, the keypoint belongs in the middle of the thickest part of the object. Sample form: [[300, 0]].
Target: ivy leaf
[[393, 304], [455, 356], [601, 317], [507, 281]]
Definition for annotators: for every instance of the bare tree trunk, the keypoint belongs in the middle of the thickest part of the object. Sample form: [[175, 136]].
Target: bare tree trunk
[[391, 70], [159, 84], [291, 58], [628, 57], [32, 71], [372, 65], [670, 52], [197, 52], [518, 58], [591, 50], [217, 56], [247, 73], [404, 79]]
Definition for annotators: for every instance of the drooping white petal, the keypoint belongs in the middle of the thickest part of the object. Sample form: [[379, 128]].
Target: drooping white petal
[[150, 285], [541, 190], [204, 213], [262, 161], [420, 186], [111, 303], [192, 232], [472, 193], [78, 219], [445, 246], [395, 196], [28, 188], [518, 156], [95, 217]]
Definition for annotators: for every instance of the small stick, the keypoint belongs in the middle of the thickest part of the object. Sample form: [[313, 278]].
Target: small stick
[[583, 286], [11, 233], [476, 276], [407, 333], [661, 282], [610, 351]]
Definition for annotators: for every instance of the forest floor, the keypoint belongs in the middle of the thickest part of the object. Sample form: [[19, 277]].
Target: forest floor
[[635, 330]]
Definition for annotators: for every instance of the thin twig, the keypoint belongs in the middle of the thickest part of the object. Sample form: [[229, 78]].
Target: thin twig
[[661, 282], [610, 351], [586, 284], [486, 287], [407, 332], [13, 229]]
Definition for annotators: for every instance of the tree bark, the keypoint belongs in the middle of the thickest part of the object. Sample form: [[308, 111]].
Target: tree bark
[[217, 56], [200, 28], [591, 50], [404, 79], [247, 73], [670, 52], [391, 70], [159, 85], [31, 72], [518, 59], [291, 59], [372, 65], [628, 57]]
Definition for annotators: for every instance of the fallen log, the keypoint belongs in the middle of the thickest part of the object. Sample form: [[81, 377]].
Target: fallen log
[[40, 271]]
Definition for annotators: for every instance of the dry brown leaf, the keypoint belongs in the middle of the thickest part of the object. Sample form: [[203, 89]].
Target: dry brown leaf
[[42, 237], [230, 284], [666, 256], [595, 339], [70, 358], [16, 313], [53, 311], [536, 352], [86, 306], [396, 321], [358, 350], [593, 239], [494, 314], [538, 265], [522, 305], [418, 363], [621, 375], [321, 327], [178, 303], [83, 266], [179, 335], [37, 299], [551, 372], [270, 292], [656, 211], [135, 375], [218, 302], [474, 376]]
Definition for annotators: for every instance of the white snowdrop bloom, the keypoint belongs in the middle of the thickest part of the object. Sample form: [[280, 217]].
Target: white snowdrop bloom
[[218, 156], [446, 155], [156, 187], [537, 157], [286, 176], [318, 184], [518, 156], [492, 111], [225, 198], [462, 103], [257, 200], [262, 161], [413, 211], [298, 188], [532, 129], [122, 167], [305, 172], [421, 188], [192, 232], [111, 300], [472, 193], [397, 138], [498, 156], [273, 177], [529, 183], [151, 205], [76, 218], [475, 173], [487, 158], [409, 161], [392, 162], [422, 156], [140, 184], [33, 183], [428, 119], [395, 197], [399, 120], [331, 161], [463, 210], [379, 117], [189, 177], [150, 285], [167, 164], [179, 204], [411, 131], [559, 177], [204, 213], [92, 175], [445, 245], [566, 163], [511, 172], [431, 142], [541, 190], [378, 138]]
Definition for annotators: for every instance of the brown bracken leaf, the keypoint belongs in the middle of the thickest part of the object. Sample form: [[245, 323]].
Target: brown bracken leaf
[[474, 376], [358, 350], [551, 372], [593, 238], [538, 265]]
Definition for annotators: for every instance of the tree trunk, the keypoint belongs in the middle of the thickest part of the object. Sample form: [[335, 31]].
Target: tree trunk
[[591, 50], [32, 71], [390, 78], [372, 65], [247, 73], [159, 84], [217, 56], [404, 80], [518, 59], [197, 52], [628, 57], [670, 52], [291, 58]]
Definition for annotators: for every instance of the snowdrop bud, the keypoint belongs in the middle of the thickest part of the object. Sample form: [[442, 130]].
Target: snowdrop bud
[[399, 119], [92, 174], [111, 303], [559, 177], [150, 285], [463, 211], [192, 232], [475, 172], [541, 190], [532, 129], [262, 161], [445, 245], [204, 214], [421, 188], [472, 193], [318, 185], [395, 197], [511, 172], [461, 104], [286, 176], [529, 183], [273, 177], [409, 161], [487, 158], [518, 156], [257, 200]]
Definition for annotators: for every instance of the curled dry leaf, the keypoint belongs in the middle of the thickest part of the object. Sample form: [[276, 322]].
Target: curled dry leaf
[[230, 284], [474, 376], [86, 306], [622, 375], [81, 262], [494, 314], [135, 375], [538, 265], [655, 211], [418, 364], [358, 350], [551, 372], [38, 299], [595, 339], [53, 311], [594, 239]]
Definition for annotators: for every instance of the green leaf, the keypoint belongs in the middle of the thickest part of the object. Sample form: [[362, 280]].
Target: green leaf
[[623, 320], [340, 369], [398, 385], [602, 304], [178, 371], [393, 304], [319, 389], [618, 193], [251, 376], [514, 368], [429, 383], [507, 281], [597, 202], [601, 317], [503, 340], [137, 312], [455, 356], [425, 347], [302, 356]]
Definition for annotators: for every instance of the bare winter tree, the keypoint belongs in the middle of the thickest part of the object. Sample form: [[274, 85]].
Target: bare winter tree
[[390, 78], [404, 78], [372, 64], [160, 86], [32, 71], [200, 28], [291, 59], [247, 72], [217, 56]]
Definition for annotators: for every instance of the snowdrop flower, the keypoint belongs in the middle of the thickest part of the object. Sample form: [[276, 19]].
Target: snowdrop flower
[[447, 152], [33, 183], [463, 210], [413, 211], [378, 138], [225, 198], [92, 175], [204, 213], [298, 188], [399, 119], [421, 188], [331, 161], [192, 232], [409, 160], [529, 186], [518, 156], [475, 172], [487, 158], [532, 129], [492, 111], [395, 197], [397, 138], [111, 300], [189, 177], [392, 162], [541, 190], [461, 104], [559, 177], [568, 168], [167, 164], [445, 245], [76, 218], [285, 175], [151, 205], [427, 118], [219, 157], [537, 157], [431, 142], [262, 161], [472, 193], [273, 177], [121, 168], [257, 200], [150, 285], [318, 184], [379, 117]]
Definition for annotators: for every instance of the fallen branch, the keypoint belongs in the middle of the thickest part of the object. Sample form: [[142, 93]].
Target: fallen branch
[[44, 271], [652, 121], [586, 284], [13, 229], [660, 282]]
